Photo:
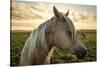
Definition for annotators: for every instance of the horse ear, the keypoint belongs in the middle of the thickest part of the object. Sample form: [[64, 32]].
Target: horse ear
[[67, 13], [56, 12]]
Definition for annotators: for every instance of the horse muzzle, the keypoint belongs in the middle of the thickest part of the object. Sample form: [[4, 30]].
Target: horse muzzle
[[80, 53]]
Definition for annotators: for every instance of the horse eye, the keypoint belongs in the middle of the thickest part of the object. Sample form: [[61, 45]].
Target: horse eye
[[69, 33]]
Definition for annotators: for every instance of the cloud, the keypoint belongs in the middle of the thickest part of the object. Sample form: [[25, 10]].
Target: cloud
[[31, 15], [83, 20]]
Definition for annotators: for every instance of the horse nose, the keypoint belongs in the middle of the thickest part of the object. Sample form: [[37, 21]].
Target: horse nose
[[81, 53]]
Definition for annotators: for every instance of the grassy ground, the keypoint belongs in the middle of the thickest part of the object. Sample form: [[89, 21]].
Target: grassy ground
[[18, 39]]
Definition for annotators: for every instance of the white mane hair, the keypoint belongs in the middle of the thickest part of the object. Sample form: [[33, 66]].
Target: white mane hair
[[38, 35], [36, 38]]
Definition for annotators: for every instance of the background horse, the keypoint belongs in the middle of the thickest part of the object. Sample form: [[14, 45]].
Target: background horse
[[59, 31]]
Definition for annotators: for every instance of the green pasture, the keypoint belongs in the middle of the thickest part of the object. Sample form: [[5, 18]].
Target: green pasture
[[18, 39]]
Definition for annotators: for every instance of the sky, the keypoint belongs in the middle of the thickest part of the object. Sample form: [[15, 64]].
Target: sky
[[29, 15]]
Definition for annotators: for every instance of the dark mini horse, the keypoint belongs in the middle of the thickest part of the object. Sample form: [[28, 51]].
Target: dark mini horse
[[59, 31]]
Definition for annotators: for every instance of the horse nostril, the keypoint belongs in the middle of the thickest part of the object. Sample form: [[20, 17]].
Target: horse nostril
[[81, 54]]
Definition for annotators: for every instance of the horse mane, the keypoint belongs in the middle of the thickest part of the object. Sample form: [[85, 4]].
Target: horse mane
[[38, 35]]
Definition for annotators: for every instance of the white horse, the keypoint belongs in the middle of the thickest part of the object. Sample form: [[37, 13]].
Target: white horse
[[59, 31]]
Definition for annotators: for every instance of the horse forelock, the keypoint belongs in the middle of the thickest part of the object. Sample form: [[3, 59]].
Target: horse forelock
[[71, 26]]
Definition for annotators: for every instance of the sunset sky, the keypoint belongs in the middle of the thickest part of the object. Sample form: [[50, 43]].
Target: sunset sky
[[29, 15]]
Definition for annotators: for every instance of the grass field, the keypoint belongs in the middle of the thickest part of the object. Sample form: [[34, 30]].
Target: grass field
[[18, 39]]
